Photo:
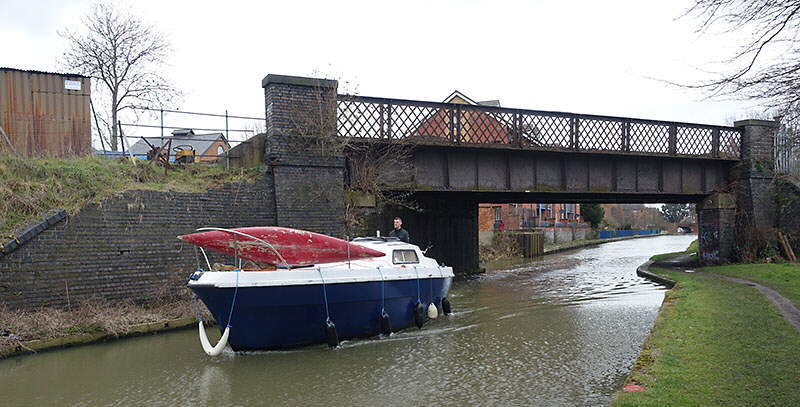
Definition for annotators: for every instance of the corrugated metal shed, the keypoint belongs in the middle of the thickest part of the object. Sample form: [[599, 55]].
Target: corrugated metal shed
[[45, 114]]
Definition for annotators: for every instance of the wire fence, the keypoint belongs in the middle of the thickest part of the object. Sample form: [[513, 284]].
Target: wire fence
[[184, 136]]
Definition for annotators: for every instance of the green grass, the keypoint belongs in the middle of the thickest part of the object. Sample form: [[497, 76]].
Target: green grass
[[664, 256], [718, 343], [32, 187], [783, 278], [693, 248]]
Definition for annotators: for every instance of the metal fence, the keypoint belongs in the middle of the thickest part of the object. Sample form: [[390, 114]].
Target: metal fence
[[445, 123], [169, 145], [787, 152]]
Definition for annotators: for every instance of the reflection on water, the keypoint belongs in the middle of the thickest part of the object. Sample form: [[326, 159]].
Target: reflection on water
[[563, 330]]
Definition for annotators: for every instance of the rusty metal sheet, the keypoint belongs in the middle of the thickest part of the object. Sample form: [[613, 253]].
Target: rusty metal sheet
[[45, 114]]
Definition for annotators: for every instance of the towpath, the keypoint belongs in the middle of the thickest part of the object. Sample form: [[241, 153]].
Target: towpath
[[685, 262]]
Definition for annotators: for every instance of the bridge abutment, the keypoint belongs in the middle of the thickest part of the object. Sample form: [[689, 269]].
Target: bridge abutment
[[304, 164], [728, 221], [754, 175], [716, 219]]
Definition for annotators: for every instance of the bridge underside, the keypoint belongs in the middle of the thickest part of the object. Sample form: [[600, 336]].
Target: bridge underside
[[542, 176], [449, 184]]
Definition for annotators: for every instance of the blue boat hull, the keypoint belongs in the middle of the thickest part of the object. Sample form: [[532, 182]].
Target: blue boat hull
[[276, 317]]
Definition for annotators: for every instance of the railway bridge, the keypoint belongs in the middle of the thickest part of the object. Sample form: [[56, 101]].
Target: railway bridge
[[445, 158]]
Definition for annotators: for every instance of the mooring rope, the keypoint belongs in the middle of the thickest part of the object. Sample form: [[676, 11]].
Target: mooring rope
[[383, 291], [431, 281], [197, 313], [233, 301], [418, 289], [325, 295]]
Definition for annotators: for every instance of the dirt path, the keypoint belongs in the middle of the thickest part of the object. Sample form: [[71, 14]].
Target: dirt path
[[790, 312], [786, 307]]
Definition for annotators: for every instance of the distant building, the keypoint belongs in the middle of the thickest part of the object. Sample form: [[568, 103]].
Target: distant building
[[475, 126], [528, 216], [45, 113], [207, 147], [636, 216]]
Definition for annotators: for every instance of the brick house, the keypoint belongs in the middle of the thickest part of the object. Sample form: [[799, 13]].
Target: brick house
[[527, 216], [491, 128], [207, 147]]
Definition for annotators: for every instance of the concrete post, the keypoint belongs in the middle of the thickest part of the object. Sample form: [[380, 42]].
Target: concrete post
[[304, 165]]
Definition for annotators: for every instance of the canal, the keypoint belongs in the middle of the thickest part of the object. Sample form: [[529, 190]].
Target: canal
[[560, 331]]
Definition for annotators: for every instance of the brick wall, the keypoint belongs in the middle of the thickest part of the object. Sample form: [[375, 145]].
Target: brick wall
[[126, 247], [716, 219], [788, 203], [302, 153], [754, 175], [299, 106]]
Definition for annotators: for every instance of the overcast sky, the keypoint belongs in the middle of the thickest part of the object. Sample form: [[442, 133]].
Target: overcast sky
[[594, 57]]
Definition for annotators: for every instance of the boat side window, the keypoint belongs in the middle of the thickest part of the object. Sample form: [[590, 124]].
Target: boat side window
[[404, 257]]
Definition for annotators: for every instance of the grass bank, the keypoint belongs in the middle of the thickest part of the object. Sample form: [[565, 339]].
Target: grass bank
[[716, 342], [32, 187], [693, 248], [783, 278]]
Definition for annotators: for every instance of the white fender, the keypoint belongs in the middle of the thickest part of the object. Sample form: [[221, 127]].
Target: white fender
[[432, 311], [215, 350]]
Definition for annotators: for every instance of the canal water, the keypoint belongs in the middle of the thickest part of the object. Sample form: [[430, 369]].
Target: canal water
[[560, 331]]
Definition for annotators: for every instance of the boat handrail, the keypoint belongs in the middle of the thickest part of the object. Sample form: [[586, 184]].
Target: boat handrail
[[236, 232], [376, 239]]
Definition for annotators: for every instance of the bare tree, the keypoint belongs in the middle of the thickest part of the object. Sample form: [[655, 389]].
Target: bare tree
[[123, 54], [767, 66]]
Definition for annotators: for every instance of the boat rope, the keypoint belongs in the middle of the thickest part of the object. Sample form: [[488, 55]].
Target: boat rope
[[431, 280], [418, 289], [197, 313], [233, 301], [383, 291], [324, 295]]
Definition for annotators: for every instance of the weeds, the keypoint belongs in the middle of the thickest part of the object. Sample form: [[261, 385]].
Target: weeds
[[33, 187], [91, 316], [504, 245]]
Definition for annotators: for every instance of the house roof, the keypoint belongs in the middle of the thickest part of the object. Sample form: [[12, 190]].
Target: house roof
[[199, 142], [493, 103], [458, 95]]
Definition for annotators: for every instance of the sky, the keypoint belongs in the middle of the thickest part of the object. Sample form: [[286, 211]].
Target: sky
[[606, 58]]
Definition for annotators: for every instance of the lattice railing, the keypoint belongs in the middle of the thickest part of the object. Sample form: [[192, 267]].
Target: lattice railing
[[445, 123], [787, 151]]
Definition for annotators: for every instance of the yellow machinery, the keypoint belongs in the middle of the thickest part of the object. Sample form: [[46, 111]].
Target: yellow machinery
[[184, 154]]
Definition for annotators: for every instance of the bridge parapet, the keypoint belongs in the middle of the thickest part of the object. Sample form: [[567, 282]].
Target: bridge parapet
[[488, 126]]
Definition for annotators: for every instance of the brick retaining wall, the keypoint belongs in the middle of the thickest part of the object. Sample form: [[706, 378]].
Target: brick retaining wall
[[126, 247]]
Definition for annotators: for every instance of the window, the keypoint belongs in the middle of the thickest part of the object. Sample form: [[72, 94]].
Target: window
[[220, 150], [404, 257]]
